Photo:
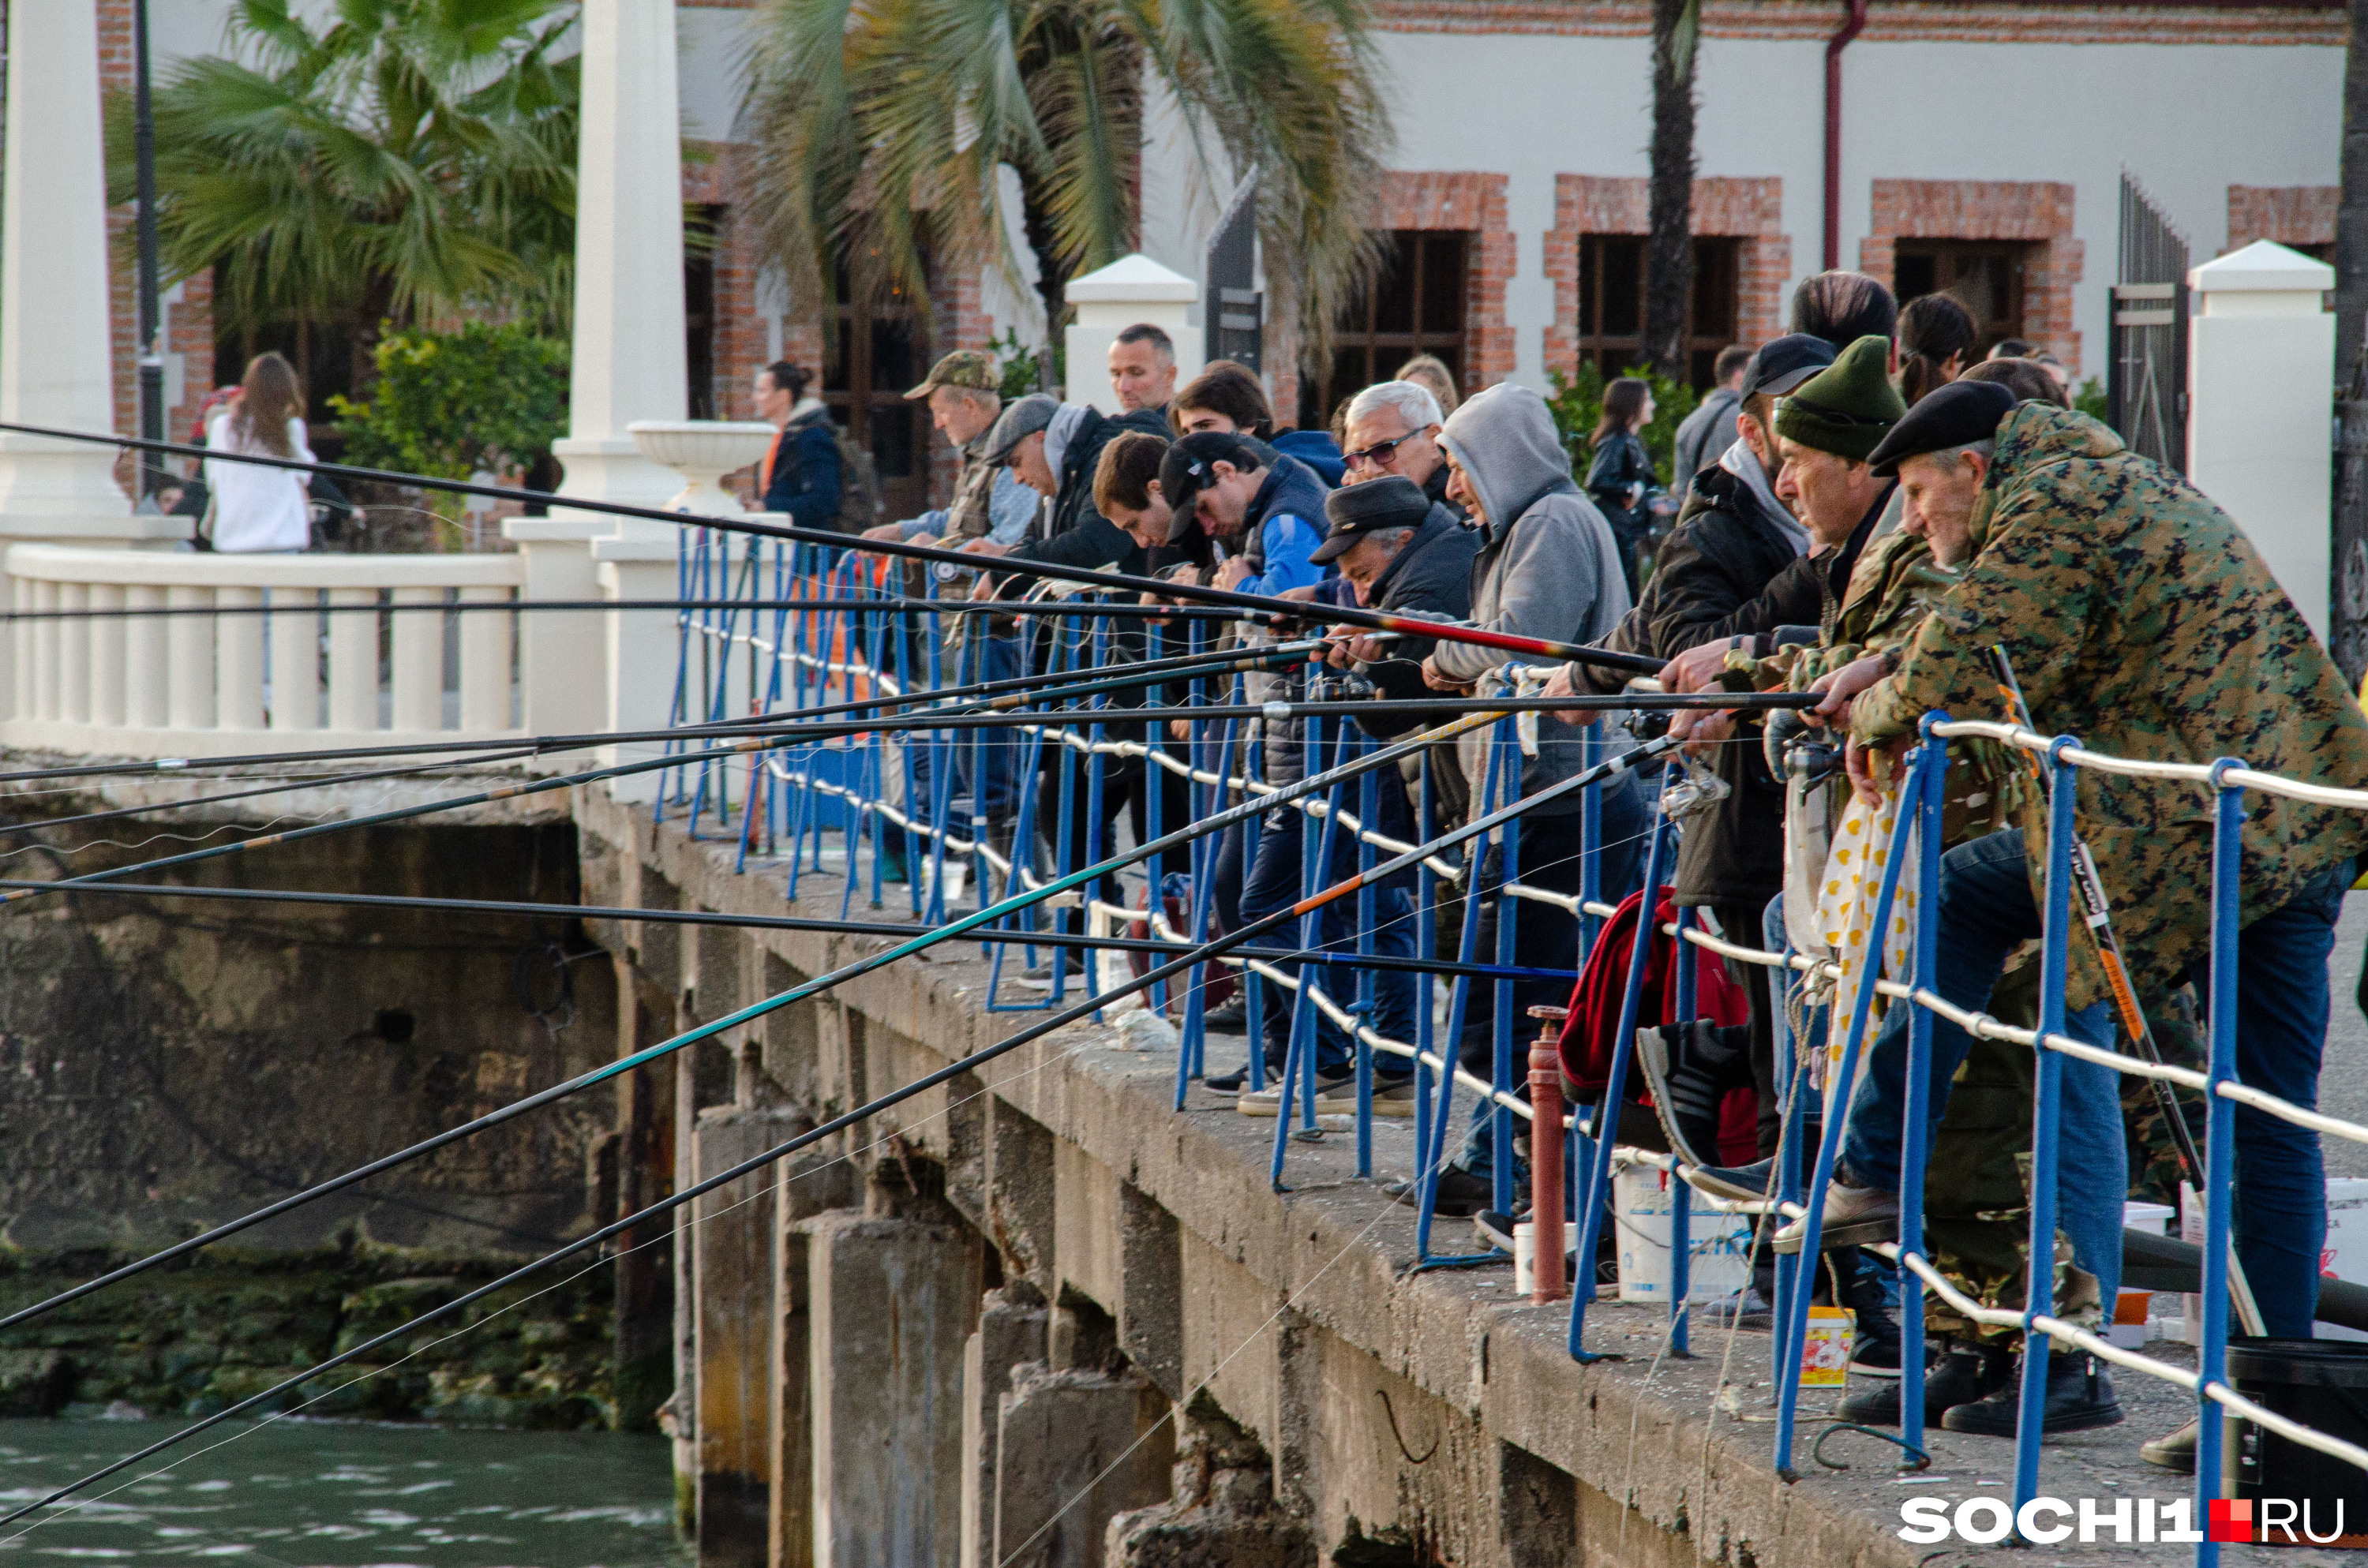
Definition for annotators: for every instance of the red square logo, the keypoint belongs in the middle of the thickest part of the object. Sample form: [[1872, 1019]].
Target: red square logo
[[2231, 1520]]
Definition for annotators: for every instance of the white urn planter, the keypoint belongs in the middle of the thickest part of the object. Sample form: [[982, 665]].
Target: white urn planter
[[703, 451]]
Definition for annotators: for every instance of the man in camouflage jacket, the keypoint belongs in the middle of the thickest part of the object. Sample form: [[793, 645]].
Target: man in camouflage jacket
[[2140, 619]]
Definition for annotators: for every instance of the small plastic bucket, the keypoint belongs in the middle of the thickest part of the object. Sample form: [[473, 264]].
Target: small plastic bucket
[[1719, 1250], [2298, 1491]]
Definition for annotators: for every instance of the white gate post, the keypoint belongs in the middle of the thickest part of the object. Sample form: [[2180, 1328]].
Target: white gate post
[[1129, 290], [2259, 410]]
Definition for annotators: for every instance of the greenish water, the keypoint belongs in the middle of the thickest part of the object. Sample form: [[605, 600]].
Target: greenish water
[[347, 1495]]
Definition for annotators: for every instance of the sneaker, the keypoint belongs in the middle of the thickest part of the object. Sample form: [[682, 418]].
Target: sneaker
[[2174, 1451], [1040, 977], [1230, 1019], [2080, 1396], [1335, 1093], [1959, 1377], [1671, 1056], [1875, 1349], [1746, 1310], [1742, 1184], [1460, 1194], [1854, 1217], [1495, 1228]]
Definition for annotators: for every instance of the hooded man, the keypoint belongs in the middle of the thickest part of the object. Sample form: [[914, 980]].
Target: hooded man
[[2139, 618], [1548, 567]]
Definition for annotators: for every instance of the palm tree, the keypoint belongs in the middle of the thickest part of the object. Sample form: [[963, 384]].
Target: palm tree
[[402, 160], [882, 131], [1670, 250], [2352, 217]]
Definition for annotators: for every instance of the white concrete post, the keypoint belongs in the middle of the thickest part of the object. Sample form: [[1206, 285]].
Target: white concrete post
[[2262, 364], [1129, 290]]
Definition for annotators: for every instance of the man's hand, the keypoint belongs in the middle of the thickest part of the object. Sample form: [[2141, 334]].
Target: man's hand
[[1353, 645], [1437, 681], [1302, 595], [1702, 728], [1560, 683], [926, 542], [983, 546], [1695, 668], [1187, 575], [1232, 572], [891, 532], [1859, 758], [1841, 686]]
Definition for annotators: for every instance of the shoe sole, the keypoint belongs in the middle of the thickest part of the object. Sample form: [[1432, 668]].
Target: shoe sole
[[1346, 1108], [1652, 1056], [2178, 1461], [2112, 1416], [1866, 1371], [1857, 1233], [1701, 1181]]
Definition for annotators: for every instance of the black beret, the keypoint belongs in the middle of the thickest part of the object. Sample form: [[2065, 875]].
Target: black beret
[[1392, 501], [1955, 415]]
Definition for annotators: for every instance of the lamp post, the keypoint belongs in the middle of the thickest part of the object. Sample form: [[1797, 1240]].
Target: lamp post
[[152, 357]]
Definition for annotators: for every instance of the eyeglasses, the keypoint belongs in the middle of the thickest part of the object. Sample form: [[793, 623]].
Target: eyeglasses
[[1381, 454]]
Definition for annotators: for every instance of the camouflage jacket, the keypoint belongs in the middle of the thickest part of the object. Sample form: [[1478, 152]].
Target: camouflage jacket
[[2140, 619]]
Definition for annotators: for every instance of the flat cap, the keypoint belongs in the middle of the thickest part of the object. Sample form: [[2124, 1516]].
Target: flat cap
[[973, 367], [1023, 418], [1848, 407], [1955, 415], [1392, 501], [1783, 363]]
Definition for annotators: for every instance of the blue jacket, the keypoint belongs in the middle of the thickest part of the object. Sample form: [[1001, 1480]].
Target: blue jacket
[[1284, 525], [1317, 450], [805, 472]]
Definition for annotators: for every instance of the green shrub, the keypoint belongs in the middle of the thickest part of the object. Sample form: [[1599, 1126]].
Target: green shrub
[[485, 399]]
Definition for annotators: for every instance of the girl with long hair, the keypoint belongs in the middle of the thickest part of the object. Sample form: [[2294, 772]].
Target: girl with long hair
[[1936, 344], [256, 508], [1621, 479]]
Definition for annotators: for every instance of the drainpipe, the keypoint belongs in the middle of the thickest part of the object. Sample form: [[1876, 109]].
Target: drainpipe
[[1852, 27]]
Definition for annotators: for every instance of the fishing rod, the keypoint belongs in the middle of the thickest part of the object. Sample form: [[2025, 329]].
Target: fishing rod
[[511, 606], [1147, 673], [787, 923], [1216, 949], [1271, 610], [955, 929]]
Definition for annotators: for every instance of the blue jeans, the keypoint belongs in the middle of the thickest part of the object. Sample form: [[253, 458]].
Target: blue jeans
[[1273, 883], [1545, 937], [1986, 912]]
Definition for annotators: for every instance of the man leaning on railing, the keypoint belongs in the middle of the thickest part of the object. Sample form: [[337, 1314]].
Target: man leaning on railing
[[2141, 619]]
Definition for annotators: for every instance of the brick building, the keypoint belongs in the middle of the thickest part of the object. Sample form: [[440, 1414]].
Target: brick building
[[1983, 148]]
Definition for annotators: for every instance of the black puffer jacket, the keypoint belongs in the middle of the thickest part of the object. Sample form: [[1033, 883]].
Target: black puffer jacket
[[1077, 534]]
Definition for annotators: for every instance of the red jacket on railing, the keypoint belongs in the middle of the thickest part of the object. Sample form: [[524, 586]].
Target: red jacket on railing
[[1590, 1032]]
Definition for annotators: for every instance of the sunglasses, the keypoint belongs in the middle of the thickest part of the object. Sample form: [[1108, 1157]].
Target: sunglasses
[[1381, 454]]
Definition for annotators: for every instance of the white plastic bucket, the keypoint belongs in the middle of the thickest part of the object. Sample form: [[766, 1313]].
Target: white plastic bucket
[[1719, 1245]]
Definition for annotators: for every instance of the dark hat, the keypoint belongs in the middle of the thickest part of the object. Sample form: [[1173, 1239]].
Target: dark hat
[[1955, 415], [1185, 469], [1022, 419], [1848, 407], [972, 368], [1784, 363], [1392, 501]]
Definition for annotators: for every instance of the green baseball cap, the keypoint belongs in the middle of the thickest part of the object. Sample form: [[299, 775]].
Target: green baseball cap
[[1848, 407], [973, 367]]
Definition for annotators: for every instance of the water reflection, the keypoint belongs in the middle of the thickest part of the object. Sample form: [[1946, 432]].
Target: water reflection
[[338, 1494]]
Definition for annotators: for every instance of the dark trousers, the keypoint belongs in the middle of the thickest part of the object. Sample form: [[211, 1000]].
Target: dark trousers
[[1276, 882], [1092, 838]]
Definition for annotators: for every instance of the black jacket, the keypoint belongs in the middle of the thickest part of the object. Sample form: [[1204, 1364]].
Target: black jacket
[[1078, 535], [1620, 462], [1431, 574]]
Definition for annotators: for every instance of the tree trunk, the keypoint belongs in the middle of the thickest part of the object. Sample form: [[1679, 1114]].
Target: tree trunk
[[1669, 252], [2351, 213], [1051, 276]]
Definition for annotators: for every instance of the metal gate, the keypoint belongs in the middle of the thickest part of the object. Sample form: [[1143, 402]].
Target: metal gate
[[1230, 302], [2147, 382]]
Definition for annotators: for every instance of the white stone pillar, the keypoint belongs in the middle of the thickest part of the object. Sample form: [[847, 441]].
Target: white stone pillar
[[1129, 290], [2261, 363], [629, 358]]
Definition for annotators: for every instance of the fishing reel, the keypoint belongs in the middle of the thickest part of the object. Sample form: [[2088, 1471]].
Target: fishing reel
[[1799, 750], [1341, 686], [1648, 723]]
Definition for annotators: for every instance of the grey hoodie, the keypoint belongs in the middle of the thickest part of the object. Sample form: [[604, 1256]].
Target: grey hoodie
[[1548, 566]]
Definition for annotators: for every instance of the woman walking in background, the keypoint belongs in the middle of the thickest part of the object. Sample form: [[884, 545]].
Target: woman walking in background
[[1621, 478], [256, 508], [801, 475]]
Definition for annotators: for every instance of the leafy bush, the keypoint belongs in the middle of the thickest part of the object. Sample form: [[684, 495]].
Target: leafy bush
[[1578, 404], [2089, 398], [1023, 366], [485, 399]]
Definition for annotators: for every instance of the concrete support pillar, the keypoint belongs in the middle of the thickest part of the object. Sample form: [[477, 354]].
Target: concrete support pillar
[[731, 1238], [643, 651], [630, 356], [1221, 1513], [2262, 357], [1010, 1332], [1075, 1448], [808, 1183], [645, 1374], [891, 1303]]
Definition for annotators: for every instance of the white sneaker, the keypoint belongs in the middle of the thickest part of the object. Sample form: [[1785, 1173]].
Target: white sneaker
[[1335, 1092], [1854, 1217]]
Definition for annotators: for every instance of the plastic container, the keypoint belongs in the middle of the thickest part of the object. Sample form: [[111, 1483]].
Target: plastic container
[[2323, 1384], [1719, 1249]]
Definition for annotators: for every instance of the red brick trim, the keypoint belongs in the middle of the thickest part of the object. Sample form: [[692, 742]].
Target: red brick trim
[[1752, 209], [2036, 210], [2277, 25], [2290, 215]]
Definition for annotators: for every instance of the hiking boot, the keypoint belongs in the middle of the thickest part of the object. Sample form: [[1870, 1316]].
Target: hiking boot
[[1746, 1310], [2080, 1396], [1460, 1194], [1960, 1377], [1854, 1217], [1040, 977], [2174, 1450]]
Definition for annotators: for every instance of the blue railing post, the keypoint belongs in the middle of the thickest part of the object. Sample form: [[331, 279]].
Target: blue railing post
[[2046, 1115], [1912, 1142], [1369, 797], [1680, 1195], [1500, 1061], [2220, 1145]]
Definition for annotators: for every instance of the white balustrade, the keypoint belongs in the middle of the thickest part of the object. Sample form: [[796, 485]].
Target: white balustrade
[[203, 685]]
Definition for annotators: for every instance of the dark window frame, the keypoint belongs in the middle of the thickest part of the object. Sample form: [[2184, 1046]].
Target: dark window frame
[[1366, 349], [1612, 281]]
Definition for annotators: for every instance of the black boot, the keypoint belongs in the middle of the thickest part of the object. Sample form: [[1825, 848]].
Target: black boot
[[1958, 1377], [2080, 1396]]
